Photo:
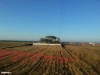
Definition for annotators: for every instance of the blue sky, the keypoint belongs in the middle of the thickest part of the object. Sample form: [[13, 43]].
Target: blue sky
[[71, 20]]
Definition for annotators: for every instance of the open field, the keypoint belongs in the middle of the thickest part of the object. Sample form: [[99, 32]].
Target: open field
[[49, 60]]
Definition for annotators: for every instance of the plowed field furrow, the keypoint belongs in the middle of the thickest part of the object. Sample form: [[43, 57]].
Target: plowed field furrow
[[50, 60], [87, 68]]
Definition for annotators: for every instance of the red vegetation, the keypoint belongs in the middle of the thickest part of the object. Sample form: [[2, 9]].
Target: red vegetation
[[31, 57]]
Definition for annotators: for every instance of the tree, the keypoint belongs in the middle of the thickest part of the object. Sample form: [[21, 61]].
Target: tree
[[50, 39]]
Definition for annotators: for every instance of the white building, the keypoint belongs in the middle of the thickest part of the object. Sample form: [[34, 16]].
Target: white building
[[45, 44], [92, 43]]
